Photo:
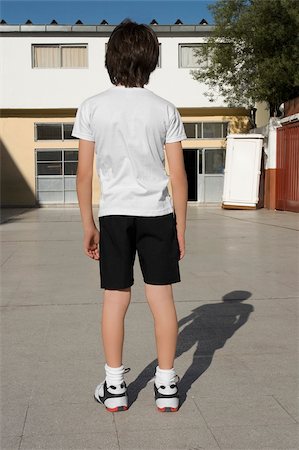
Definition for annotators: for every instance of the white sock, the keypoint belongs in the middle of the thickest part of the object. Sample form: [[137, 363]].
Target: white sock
[[164, 376], [114, 375]]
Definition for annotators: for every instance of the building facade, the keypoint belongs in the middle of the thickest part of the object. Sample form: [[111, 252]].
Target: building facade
[[48, 70]]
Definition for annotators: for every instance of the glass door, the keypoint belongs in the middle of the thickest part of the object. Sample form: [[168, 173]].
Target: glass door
[[213, 174]]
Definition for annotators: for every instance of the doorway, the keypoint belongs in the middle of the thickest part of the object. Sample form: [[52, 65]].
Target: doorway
[[205, 174]]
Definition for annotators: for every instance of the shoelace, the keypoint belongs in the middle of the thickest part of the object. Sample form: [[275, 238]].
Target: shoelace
[[127, 370]]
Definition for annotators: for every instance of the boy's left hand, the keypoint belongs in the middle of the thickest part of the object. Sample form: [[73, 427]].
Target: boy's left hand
[[90, 243]]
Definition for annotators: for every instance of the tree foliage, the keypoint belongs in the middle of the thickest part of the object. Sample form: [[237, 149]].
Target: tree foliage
[[253, 52]]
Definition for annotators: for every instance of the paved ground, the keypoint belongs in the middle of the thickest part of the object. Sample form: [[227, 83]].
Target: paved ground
[[237, 352]]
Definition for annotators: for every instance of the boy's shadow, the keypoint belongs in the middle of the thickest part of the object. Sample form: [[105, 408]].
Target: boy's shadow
[[209, 326]]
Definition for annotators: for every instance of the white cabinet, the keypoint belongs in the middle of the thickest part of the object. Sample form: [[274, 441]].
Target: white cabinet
[[242, 170]]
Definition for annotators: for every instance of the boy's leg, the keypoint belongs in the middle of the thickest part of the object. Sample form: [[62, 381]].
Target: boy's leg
[[115, 305], [160, 299]]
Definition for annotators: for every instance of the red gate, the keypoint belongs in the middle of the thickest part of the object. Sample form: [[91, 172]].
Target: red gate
[[287, 172]]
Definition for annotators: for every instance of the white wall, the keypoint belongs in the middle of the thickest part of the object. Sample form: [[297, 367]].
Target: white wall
[[25, 87]]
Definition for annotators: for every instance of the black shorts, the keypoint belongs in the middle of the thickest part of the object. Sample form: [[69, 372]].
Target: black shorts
[[154, 238]]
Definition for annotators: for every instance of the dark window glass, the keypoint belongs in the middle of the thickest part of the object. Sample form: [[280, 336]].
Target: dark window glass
[[190, 130], [71, 155], [70, 168], [49, 168], [53, 155], [214, 160], [48, 131], [190, 166], [212, 130], [67, 130], [200, 161]]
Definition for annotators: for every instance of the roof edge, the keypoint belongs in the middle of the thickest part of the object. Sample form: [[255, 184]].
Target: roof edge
[[101, 29]]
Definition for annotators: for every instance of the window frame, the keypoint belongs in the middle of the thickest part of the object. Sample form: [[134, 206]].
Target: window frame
[[187, 44], [53, 123], [63, 176], [200, 125], [71, 44]]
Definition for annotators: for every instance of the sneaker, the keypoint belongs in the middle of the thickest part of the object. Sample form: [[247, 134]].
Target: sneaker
[[114, 398], [167, 396]]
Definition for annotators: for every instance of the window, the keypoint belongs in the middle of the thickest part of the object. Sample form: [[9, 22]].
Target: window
[[190, 129], [187, 56], [49, 162], [56, 175], [59, 56], [206, 130], [53, 131], [212, 130], [214, 160]]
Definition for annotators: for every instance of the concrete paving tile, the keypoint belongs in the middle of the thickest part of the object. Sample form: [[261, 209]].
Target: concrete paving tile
[[67, 418], [273, 307], [70, 345], [46, 297], [77, 280], [17, 376], [269, 437], [7, 251], [10, 442], [66, 380], [12, 418], [240, 410], [262, 336], [204, 376], [293, 306], [20, 351], [23, 323], [189, 438], [74, 332], [37, 256], [290, 402], [276, 372], [103, 441], [23, 332], [268, 287]]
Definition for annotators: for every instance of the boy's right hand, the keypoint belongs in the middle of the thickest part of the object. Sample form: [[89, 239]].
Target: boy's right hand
[[91, 242], [181, 240]]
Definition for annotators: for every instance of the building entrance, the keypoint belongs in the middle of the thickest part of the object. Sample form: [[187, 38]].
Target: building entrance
[[205, 173]]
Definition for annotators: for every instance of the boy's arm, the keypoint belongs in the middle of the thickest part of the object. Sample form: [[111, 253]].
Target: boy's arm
[[84, 193], [179, 185]]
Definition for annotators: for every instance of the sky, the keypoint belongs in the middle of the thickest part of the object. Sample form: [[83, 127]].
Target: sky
[[165, 12]]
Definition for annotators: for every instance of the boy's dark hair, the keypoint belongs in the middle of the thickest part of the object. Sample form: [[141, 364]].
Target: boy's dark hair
[[132, 54]]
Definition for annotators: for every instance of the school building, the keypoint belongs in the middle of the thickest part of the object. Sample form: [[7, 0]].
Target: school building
[[48, 70]]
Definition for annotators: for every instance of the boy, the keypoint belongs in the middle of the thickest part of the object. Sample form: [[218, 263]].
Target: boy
[[127, 126]]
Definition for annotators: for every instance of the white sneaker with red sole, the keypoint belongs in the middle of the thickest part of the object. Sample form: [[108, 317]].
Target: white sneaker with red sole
[[113, 397], [167, 395]]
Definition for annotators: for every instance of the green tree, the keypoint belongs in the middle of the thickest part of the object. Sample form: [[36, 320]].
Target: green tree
[[253, 52]]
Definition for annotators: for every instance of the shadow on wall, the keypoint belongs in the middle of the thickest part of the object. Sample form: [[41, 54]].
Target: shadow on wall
[[239, 124], [208, 326], [15, 192]]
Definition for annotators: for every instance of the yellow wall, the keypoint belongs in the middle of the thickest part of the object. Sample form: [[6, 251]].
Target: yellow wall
[[18, 158], [18, 145], [262, 114]]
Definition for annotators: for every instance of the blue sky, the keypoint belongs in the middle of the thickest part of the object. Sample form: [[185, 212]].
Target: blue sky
[[114, 11]]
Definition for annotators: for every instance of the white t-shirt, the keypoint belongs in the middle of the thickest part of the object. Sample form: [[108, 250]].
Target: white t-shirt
[[130, 127]]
